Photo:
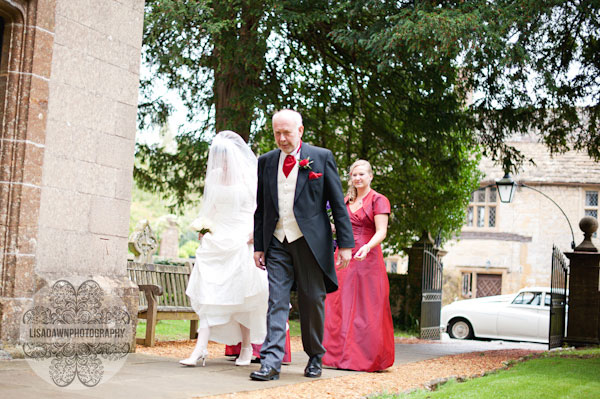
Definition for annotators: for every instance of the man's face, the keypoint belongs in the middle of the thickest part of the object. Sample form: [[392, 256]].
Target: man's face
[[287, 134]]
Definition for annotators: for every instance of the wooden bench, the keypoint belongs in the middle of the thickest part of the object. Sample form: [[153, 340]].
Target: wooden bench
[[162, 296]]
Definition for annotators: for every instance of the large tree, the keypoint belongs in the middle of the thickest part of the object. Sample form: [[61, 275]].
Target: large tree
[[212, 53], [533, 66], [386, 81], [409, 121]]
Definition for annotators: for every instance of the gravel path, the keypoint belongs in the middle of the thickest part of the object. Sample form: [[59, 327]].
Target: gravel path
[[398, 378]]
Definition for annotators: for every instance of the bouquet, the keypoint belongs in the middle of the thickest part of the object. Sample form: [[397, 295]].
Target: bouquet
[[202, 225]]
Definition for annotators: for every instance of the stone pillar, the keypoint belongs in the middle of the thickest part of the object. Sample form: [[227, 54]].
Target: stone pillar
[[583, 326], [69, 88]]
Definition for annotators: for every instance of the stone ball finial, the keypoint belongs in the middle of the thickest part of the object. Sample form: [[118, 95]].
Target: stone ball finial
[[589, 225]]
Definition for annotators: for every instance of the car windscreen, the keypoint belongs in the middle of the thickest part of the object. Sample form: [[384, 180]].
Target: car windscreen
[[528, 298]]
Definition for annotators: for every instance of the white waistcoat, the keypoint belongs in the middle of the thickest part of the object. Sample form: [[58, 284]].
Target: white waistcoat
[[286, 227]]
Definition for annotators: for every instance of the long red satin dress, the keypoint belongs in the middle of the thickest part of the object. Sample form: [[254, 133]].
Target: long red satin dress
[[359, 332]]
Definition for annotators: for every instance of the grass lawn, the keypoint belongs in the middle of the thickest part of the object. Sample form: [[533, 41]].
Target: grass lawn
[[166, 330], [173, 330], [405, 333], [555, 375]]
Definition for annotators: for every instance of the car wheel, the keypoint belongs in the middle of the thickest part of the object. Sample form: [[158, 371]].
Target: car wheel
[[460, 329]]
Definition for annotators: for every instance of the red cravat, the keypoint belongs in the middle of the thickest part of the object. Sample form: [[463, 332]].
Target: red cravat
[[288, 164]]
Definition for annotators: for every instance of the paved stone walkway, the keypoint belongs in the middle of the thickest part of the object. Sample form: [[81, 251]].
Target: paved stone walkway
[[146, 377]]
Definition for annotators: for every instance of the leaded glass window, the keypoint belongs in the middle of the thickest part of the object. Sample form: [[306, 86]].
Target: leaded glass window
[[492, 216], [591, 205], [480, 216], [591, 198], [470, 216], [482, 211]]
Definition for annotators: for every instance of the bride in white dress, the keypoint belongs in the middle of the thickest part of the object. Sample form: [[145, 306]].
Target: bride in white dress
[[227, 291]]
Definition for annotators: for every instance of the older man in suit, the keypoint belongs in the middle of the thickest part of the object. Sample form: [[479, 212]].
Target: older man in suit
[[293, 239]]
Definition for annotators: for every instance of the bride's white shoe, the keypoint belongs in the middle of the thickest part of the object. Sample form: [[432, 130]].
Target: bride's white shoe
[[195, 358], [245, 357]]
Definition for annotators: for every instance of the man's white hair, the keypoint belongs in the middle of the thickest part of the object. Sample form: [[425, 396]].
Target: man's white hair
[[290, 113]]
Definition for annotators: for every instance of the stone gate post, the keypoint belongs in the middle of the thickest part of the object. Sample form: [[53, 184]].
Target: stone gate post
[[583, 326]]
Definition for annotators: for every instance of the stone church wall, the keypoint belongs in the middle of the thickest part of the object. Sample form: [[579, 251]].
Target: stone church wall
[[68, 146]]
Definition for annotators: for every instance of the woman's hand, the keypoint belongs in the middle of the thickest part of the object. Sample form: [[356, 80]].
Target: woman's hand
[[332, 227], [251, 238], [361, 254]]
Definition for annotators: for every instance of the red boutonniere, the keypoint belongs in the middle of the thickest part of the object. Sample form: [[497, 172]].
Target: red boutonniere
[[313, 175], [305, 163]]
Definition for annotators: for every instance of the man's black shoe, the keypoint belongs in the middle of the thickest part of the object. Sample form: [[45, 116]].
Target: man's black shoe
[[313, 368], [266, 373]]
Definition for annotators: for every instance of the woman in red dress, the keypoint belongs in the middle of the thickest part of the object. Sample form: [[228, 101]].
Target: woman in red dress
[[359, 333]]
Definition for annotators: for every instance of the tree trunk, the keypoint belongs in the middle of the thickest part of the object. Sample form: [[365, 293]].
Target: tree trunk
[[239, 58], [230, 112]]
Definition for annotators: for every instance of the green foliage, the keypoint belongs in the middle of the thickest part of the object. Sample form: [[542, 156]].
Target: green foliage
[[547, 377], [210, 52], [145, 205], [384, 81], [188, 249], [408, 121], [533, 65], [178, 175]]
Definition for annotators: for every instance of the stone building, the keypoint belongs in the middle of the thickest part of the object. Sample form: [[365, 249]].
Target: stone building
[[396, 264], [505, 247], [69, 76]]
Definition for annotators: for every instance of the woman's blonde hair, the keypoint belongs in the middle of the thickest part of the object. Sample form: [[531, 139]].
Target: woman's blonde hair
[[352, 193]]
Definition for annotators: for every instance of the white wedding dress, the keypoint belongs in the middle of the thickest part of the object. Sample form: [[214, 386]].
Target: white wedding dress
[[225, 286]]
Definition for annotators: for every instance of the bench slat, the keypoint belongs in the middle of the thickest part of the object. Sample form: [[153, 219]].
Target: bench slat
[[172, 289], [186, 299], [139, 278], [180, 289], [171, 277], [165, 298], [160, 277]]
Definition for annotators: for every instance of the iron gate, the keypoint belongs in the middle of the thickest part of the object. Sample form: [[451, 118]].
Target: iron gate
[[431, 300], [559, 295]]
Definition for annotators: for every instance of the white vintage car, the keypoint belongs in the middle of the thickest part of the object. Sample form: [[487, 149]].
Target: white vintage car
[[523, 316]]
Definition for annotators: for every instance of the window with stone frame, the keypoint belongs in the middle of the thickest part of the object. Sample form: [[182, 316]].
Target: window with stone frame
[[591, 205], [482, 211]]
